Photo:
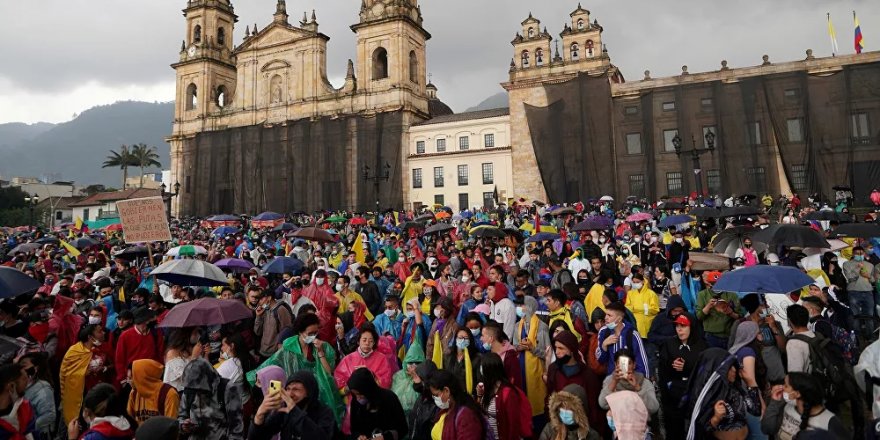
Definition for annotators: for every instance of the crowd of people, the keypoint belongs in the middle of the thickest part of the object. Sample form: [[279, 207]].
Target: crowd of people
[[524, 322]]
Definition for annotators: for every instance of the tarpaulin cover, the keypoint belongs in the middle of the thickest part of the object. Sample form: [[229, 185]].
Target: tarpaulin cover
[[302, 165]]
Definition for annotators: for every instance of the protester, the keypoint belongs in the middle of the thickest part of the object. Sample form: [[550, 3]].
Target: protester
[[797, 407], [295, 412], [103, 411], [460, 418], [149, 396], [39, 391], [374, 411], [18, 418]]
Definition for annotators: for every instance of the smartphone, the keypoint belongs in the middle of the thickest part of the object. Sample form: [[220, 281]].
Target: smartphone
[[274, 387], [624, 366]]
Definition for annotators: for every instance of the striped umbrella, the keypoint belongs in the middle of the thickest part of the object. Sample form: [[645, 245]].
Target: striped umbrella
[[187, 250]]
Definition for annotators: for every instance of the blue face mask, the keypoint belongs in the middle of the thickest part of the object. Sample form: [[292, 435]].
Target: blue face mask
[[475, 332], [519, 312], [858, 258], [487, 346], [566, 416], [611, 423], [611, 325], [462, 344], [410, 314]]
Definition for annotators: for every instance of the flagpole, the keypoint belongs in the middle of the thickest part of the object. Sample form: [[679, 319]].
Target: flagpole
[[832, 35]]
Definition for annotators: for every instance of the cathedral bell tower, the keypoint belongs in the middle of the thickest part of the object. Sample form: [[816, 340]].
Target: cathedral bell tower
[[206, 70], [391, 50]]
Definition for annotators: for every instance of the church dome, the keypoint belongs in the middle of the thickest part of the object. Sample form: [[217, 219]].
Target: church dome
[[436, 107]]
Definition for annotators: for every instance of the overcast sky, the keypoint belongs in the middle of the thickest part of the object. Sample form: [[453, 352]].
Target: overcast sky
[[61, 57]]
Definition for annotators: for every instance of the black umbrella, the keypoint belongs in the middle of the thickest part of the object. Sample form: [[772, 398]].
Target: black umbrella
[[425, 217], [705, 212], [564, 211], [791, 236], [412, 225], [25, 248], [83, 242], [487, 232], [739, 211], [731, 239], [841, 188], [47, 240], [14, 282], [438, 228], [857, 230], [828, 216], [515, 233], [670, 205], [132, 253]]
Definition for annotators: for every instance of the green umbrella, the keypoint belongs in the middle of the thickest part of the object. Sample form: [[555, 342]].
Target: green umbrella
[[336, 219], [186, 250], [391, 253]]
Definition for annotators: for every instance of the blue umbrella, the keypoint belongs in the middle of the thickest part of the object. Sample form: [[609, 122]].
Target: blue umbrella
[[14, 282], [542, 236], [674, 220], [763, 279], [466, 214], [268, 216], [225, 230], [594, 223], [224, 218], [234, 265], [285, 227], [283, 265]]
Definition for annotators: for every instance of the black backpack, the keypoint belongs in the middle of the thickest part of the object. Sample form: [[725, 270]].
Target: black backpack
[[828, 363]]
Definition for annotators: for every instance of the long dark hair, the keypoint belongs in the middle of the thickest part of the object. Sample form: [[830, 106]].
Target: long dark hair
[[443, 379], [241, 352], [494, 377], [179, 340], [811, 391]]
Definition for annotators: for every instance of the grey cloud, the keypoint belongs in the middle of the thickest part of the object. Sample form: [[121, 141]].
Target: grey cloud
[[55, 45]]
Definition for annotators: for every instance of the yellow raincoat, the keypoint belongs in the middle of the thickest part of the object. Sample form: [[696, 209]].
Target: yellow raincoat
[[73, 379], [533, 366], [644, 305]]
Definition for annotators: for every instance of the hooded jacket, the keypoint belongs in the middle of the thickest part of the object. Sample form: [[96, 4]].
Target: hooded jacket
[[211, 403], [674, 384], [109, 428], [663, 326], [402, 383], [310, 419], [382, 412], [573, 398], [629, 414], [147, 391]]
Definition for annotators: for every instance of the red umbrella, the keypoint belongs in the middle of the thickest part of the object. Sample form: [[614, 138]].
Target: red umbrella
[[206, 311], [114, 227], [358, 221]]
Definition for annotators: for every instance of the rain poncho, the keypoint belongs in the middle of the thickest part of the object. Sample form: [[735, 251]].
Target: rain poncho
[[402, 383], [292, 359], [531, 362], [708, 384], [72, 378], [629, 414]]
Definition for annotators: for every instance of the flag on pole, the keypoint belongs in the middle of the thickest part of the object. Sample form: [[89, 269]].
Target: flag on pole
[[74, 252], [858, 34], [358, 249], [834, 48], [79, 224]]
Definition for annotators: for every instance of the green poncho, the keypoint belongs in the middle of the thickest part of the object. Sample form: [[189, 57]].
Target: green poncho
[[402, 383]]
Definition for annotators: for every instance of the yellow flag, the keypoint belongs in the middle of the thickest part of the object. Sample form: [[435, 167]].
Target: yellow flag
[[358, 249], [396, 218], [74, 252], [79, 224], [437, 355], [122, 294]]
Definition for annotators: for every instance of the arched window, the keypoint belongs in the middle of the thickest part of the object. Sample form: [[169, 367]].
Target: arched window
[[222, 97], [539, 57], [221, 36], [525, 58], [575, 52], [580, 24], [276, 90], [413, 67], [197, 34], [380, 63], [531, 32], [192, 101]]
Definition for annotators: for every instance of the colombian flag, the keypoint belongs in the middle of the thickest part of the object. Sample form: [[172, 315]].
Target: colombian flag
[[858, 34]]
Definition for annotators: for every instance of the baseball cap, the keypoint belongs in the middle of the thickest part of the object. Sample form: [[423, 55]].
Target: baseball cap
[[682, 320], [713, 276]]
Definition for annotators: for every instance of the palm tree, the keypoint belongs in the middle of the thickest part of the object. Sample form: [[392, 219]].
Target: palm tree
[[121, 159], [143, 156]]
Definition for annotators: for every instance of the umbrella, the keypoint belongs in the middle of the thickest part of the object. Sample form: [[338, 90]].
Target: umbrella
[[674, 220], [267, 216], [791, 236], [545, 227], [563, 211], [358, 221], [425, 217], [14, 282], [412, 225], [442, 215], [83, 242], [132, 253], [738, 211], [593, 223], [763, 279], [187, 250], [708, 261], [828, 216], [606, 199], [487, 232], [857, 230], [314, 234], [225, 230], [542, 236], [281, 265], [206, 311], [515, 233], [639, 217], [706, 212], [234, 265], [47, 240], [538, 202], [836, 245], [190, 272], [336, 219], [729, 240], [670, 205], [439, 227], [224, 218], [285, 227]]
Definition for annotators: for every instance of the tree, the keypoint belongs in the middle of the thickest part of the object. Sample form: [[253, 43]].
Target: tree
[[144, 156], [122, 159]]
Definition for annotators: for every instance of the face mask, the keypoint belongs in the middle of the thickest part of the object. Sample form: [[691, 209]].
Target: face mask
[[611, 325], [637, 239], [440, 403], [611, 252], [637, 286], [602, 240], [319, 281], [855, 258], [339, 287], [475, 332], [679, 240], [653, 239], [363, 401], [764, 313], [438, 313], [564, 359], [410, 314], [310, 339], [519, 312], [465, 279], [462, 344], [390, 313], [787, 398], [224, 355], [365, 354], [94, 320], [79, 302], [97, 342], [583, 281], [566, 416], [487, 346], [611, 423]]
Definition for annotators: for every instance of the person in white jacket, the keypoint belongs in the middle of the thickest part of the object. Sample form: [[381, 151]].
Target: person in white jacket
[[869, 368]]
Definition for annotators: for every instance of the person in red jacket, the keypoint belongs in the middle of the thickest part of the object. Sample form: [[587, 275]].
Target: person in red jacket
[[570, 368], [141, 341], [506, 406], [459, 418]]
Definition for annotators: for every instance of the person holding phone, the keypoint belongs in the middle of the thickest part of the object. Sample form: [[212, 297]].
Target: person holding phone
[[294, 412], [625, 377]]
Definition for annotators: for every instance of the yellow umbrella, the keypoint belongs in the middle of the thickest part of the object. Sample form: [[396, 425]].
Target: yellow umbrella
[[530, 227]]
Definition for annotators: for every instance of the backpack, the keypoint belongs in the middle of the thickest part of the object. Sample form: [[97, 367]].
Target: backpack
[[848, 343], [275, 313], [827, 362]]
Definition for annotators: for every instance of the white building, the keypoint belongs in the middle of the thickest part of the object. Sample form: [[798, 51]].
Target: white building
[[460, 160], [103, 205]]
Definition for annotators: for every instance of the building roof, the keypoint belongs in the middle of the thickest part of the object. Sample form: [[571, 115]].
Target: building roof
[[60, 202], [112, 196], [437, 108], [468, 116]]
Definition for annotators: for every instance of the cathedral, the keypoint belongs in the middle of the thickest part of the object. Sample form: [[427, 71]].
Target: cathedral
[[258, 126]]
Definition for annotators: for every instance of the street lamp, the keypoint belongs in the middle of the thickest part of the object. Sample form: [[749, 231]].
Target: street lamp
[[382, 174], [31, 203], [695, 155], [166, 196]]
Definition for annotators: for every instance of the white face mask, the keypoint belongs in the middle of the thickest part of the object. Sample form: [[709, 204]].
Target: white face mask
[[438, 313], [440, 403], [310, 339], [637, 286], [319, 281], [465, 278], [339, 287], [787, 398], [94, 320], [390, 313], [225, 356]]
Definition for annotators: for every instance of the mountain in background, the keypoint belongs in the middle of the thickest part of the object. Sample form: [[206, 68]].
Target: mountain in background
[[498, 100], [75, 150]]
